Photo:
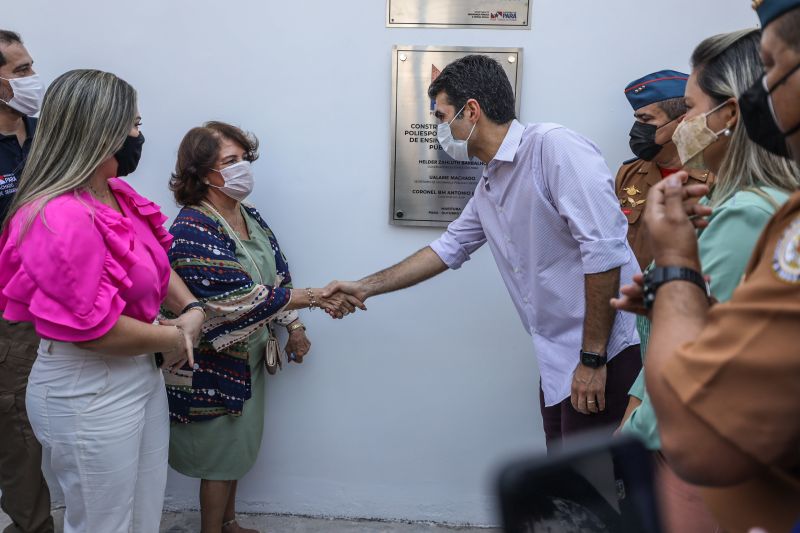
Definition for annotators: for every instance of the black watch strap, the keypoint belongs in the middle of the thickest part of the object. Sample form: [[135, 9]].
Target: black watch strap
[[593, 359], [658, 276], [192, 305]]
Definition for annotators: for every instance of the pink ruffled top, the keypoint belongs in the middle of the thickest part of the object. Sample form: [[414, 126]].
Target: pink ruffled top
[[75, 274]]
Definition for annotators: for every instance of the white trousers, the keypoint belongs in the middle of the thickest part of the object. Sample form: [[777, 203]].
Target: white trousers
[[105, 421]]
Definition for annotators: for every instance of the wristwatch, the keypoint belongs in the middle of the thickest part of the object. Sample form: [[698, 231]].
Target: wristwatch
[[295, 326], [592, 359], [658, 276]]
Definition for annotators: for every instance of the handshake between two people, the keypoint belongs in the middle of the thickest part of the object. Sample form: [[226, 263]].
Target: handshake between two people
[[342, 298], [338, 299]]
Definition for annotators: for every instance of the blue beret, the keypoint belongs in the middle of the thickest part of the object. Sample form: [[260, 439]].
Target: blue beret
[[656, 87], [769, 10]]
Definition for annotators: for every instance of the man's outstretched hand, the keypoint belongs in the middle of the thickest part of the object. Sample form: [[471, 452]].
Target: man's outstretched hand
[[340, 298]]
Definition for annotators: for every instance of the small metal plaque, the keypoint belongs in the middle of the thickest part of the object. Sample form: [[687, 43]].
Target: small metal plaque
[[507, 14], [429, 188]]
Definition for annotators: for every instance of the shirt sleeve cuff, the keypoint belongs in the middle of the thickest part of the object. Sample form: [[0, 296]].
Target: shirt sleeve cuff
[[285, 318], [450, 251], [604, 255], [637, 390]]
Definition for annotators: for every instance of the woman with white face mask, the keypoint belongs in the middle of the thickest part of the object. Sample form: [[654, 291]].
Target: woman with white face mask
[[231, 260], [751, 184]]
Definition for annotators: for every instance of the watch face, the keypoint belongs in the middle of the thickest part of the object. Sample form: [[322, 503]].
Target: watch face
[[592, 360]]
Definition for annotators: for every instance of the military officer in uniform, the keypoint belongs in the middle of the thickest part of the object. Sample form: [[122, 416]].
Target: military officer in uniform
[[658, 105], [725, 380]]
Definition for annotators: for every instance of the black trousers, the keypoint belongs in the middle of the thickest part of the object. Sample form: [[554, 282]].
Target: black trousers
[[26, 498]]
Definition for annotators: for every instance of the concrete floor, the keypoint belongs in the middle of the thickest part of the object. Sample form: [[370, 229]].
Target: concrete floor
[[189, 522]]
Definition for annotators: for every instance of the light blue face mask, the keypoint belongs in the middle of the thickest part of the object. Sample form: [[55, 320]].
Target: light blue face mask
[[455, 148]]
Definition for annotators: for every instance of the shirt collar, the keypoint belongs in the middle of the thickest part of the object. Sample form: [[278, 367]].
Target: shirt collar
[[508, 149], [30, 128]]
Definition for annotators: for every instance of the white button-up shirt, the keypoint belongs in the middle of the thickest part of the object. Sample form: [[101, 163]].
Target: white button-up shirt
[[547, 207]]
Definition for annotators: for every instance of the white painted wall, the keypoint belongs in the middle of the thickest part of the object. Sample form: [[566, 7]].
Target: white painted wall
[[403, 412]]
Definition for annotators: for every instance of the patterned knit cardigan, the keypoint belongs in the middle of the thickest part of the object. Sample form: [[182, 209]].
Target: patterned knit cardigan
[[204, 256]]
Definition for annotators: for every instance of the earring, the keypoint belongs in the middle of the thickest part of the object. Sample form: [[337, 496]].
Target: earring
[[727, 132]]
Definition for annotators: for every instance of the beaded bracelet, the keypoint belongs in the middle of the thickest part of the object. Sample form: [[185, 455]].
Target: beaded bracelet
[[312, 300]]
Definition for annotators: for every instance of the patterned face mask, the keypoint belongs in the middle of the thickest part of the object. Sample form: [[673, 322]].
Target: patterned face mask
[[693, 136]]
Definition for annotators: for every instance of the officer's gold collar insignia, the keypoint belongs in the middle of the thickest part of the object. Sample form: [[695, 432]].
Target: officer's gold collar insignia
[[632, 190], [633, 203]]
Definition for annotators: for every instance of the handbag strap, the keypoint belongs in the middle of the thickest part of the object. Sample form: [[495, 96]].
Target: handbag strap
[[241, 245], [233, 233]]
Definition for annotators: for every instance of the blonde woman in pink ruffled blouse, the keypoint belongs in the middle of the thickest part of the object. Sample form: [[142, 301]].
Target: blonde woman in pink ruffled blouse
[[83, 257]]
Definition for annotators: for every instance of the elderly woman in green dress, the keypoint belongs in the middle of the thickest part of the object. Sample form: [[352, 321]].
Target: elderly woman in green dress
[[230, 259]]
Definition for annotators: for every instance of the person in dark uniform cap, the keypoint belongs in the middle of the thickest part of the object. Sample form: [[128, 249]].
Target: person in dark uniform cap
[[658, 104], [725, 380]]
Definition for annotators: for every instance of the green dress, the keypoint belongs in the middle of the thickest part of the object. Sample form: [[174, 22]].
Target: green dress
[[226, 447]]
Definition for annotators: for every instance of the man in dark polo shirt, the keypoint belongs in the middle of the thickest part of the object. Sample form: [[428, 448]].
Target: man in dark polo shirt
[[20, 97], [25, 498]]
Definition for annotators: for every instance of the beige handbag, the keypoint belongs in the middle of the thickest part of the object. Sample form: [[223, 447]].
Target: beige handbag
[[272, 357]]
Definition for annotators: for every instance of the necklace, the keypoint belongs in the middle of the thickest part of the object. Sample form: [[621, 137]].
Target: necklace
[[234, 233], [238, 226], [107, 198], [97, 194]]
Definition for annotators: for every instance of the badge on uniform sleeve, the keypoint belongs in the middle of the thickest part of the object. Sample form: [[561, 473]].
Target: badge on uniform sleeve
[[786, 261]]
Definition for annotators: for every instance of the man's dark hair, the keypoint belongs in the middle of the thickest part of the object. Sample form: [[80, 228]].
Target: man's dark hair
[[788, 28], [8, 37], [674, 107], [479, 77]]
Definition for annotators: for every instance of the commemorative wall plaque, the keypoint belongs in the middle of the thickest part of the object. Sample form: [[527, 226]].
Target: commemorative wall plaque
[[429, 188], [504, 14]]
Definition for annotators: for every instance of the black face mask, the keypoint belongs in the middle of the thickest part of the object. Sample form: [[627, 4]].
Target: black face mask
[[643, 140], [759, 117], [128, 156]]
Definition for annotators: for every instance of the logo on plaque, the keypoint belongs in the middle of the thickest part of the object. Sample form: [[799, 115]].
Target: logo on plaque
[[495, 14]]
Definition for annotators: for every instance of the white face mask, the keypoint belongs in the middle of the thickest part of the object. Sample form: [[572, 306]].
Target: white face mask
[[455, 148], [28, 93], [239, 180], [693, 136]]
